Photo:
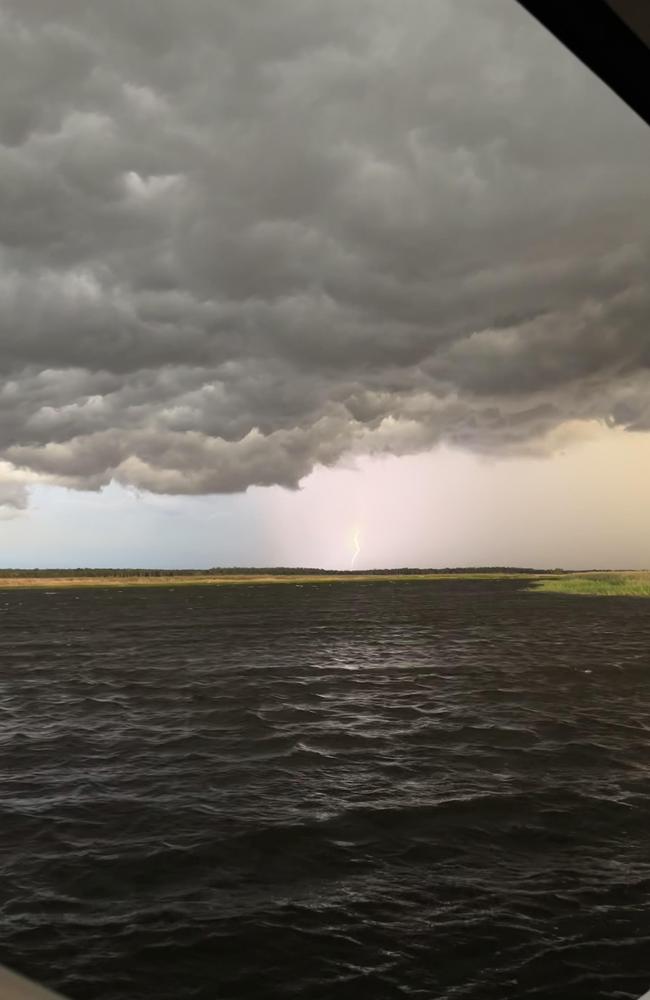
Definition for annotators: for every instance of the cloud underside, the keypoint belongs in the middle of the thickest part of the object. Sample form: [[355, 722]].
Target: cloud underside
[[242, 239]]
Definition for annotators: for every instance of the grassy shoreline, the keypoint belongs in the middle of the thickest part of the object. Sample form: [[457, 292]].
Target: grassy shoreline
[[606, 584], [239, 579], [595, 584]]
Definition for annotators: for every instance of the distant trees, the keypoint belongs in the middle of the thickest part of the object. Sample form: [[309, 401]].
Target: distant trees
[[262, 571]]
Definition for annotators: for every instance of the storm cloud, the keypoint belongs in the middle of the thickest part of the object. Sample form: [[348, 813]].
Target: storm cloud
[[239, 239]]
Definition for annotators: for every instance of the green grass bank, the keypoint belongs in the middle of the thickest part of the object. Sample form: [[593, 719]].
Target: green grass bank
[[635, 584], [596, 584], [236, 579]]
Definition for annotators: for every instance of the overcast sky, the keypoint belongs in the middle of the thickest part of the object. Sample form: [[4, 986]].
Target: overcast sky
[[394, 252]]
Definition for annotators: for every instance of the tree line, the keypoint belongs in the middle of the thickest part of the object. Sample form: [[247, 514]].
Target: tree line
[[84, 571]]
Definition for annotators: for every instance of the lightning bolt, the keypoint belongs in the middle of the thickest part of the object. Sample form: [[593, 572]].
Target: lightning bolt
[[356, 541]]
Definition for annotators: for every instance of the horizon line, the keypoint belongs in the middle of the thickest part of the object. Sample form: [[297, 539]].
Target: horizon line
[[248, 570]]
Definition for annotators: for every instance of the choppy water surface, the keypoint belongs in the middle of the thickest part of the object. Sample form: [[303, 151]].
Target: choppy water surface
[[330, 791]]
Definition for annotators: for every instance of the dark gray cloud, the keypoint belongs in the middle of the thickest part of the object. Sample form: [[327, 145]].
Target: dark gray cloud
[[239, 239]]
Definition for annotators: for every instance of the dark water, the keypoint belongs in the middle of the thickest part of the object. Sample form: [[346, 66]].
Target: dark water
[[344, 791]]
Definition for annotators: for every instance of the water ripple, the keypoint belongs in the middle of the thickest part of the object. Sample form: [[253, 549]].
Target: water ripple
[[432, 790]]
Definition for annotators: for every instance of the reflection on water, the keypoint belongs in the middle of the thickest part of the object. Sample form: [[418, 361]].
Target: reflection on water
[[375, 790]]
